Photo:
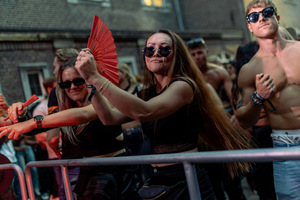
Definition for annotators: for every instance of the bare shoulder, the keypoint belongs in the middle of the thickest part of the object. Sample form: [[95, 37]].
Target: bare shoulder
[[217, 69], [293, 45], [215, 66]]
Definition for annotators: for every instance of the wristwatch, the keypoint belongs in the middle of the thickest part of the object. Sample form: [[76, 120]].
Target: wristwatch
[[38, 119]]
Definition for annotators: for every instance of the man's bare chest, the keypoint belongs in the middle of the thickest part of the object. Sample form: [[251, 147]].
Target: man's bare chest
[[283, 72]]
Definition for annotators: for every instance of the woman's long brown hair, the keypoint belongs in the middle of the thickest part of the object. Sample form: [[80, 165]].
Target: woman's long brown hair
[[217, 131]]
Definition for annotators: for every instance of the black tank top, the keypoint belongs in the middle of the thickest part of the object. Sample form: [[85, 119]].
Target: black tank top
[[177, 132]]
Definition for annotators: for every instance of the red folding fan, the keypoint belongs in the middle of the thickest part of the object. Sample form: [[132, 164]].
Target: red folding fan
[[103, 48]]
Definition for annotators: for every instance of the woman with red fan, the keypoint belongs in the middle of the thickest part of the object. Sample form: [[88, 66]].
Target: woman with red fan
[[84, 129], [175, 108]]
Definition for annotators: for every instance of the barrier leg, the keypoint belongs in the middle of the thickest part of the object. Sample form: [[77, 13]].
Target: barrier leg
[[192, 181], [67, 185]]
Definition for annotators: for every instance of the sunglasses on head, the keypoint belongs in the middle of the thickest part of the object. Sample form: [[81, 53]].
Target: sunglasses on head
[[266, 13], [67, 84], [163, 51], [195, 42]]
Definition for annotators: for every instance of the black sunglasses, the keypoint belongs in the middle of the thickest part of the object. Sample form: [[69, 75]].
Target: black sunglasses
[[67, 84], [163, 51], [266, 13]]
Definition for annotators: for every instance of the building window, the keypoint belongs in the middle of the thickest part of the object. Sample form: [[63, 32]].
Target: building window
[[131, 62], [154, 3], [32, 75], [35, 82]]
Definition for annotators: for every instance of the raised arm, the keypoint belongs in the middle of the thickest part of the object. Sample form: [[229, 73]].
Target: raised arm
[[177, 94], [68, 117]]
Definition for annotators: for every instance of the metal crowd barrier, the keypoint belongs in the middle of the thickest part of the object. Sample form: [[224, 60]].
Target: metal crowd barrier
[[20, 174], [187, 159]]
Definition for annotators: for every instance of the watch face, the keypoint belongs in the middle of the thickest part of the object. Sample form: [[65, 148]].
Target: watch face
[[38, 117]]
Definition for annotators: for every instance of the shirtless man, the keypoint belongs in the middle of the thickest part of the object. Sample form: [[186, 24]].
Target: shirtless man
[[216, 75], [271, 80]]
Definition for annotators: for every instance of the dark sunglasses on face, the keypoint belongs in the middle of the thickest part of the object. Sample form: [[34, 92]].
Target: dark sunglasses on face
[[266, 13], [67, 84], [163, 51]]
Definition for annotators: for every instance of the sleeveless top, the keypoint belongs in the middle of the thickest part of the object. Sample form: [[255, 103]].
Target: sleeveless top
[[177, 132], [96, 139]]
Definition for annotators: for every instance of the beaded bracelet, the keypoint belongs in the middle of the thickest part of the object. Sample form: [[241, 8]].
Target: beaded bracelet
[[257, 99]]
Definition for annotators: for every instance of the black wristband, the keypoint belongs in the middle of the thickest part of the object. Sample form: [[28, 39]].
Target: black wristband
[[92, 93], [22, 119], [257, 99]]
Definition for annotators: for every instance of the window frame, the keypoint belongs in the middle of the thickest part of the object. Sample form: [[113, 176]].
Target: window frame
[[133, 65], [25, 68], [164, 4]]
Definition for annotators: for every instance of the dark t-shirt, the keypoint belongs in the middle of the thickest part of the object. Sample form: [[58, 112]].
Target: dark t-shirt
[[69, 150]]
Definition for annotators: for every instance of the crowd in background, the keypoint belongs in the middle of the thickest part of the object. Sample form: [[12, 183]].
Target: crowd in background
[[90, 109]]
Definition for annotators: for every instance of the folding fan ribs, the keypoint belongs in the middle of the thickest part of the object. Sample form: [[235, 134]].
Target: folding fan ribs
[[103, 48]]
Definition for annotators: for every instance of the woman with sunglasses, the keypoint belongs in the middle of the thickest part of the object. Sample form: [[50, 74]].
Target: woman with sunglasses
[[175, 107], [83, 128], [95, 140]]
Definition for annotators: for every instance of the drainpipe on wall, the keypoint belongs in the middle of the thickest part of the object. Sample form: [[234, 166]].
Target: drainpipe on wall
[[179, 16], [245, 29]]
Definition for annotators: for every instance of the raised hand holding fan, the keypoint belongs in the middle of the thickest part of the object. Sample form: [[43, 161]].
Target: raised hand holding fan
[[102, 46]]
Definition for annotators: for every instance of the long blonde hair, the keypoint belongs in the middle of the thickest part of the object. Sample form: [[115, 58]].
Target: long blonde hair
[[65, 102], [217, 131]]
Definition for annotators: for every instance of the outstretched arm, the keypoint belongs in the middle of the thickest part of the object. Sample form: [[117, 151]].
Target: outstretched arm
[[176, 95], [68, 117]]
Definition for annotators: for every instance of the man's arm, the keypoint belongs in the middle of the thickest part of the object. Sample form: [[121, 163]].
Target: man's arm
[[247, 111]]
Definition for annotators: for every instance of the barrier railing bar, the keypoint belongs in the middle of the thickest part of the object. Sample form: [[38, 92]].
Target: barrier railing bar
[[192, 180], [20, 173], [29, 183], [247, 155], [66, 181]]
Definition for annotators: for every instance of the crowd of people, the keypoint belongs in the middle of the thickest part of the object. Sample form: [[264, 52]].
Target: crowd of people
[[259, 109]]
